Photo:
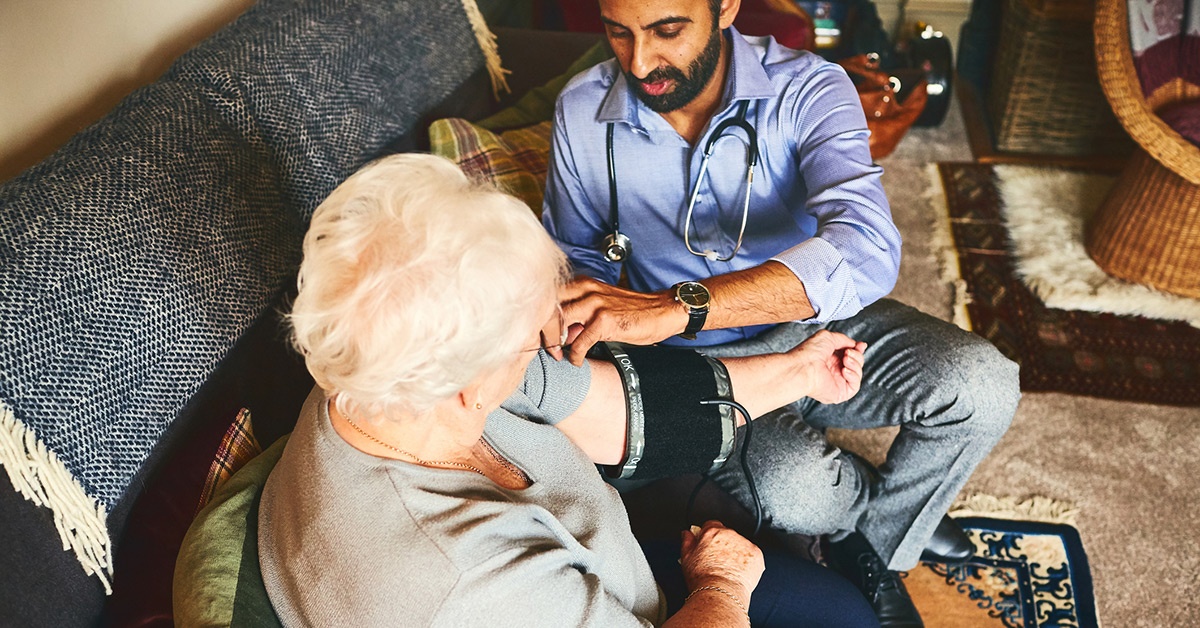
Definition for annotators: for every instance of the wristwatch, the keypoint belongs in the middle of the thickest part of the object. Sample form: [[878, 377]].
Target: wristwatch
[[695, 299]]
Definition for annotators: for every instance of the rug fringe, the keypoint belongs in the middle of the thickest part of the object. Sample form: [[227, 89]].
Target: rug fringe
[[941, 247], [487, 43], [40, 477], [1036, 508]]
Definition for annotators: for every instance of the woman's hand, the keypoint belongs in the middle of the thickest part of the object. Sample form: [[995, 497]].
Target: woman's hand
[[717, 556], [830, 366]]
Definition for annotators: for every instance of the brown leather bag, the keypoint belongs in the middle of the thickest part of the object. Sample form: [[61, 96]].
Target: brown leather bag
[[892, 101]]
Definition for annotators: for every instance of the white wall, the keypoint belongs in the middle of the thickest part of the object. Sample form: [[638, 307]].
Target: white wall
[[944, 15], [64, 63]]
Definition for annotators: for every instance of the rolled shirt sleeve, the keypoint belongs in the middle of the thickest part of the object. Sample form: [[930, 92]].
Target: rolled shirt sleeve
[[853, 258]]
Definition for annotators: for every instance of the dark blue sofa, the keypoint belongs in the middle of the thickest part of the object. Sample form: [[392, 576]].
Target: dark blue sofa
[[144, 264]]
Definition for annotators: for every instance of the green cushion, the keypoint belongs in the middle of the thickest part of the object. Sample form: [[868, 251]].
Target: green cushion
[[217, 578], [538, 104], [511, 148]]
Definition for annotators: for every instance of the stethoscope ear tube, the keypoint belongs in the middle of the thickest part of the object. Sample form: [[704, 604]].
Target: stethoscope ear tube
[[617, 246]]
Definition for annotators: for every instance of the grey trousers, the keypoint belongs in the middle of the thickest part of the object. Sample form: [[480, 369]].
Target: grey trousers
[[951, 393]]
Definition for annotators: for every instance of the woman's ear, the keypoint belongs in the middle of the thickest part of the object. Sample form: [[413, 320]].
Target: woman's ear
[[475, 396], [468, 398]]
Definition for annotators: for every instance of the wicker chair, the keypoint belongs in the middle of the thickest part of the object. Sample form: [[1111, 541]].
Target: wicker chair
[[1148, 229]]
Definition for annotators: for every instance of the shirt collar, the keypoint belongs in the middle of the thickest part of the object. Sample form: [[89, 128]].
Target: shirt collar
[[746, 80]]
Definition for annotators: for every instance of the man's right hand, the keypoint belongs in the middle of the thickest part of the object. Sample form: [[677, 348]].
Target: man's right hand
[[594, 311]]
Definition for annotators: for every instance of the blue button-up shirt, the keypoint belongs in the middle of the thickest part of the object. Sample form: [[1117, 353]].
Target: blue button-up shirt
[[817, 204]]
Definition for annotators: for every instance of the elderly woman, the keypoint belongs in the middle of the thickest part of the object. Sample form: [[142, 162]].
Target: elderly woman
[[443, 471]]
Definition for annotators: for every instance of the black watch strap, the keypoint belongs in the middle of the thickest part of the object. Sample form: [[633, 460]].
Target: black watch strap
[[694, 298], [696, 320]]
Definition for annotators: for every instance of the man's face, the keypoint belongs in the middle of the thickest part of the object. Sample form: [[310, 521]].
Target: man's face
[[668, 50]]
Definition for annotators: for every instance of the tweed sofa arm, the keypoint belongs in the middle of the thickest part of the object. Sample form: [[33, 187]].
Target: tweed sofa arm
[[134, 259]]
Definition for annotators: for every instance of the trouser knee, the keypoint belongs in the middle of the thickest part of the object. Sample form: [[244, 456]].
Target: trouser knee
[[815, 498], [990, 388]]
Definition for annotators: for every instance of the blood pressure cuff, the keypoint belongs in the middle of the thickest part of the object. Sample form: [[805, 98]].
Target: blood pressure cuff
[[675, 424]]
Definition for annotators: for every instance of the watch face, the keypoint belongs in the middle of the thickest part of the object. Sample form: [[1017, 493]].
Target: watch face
[[693, 294]]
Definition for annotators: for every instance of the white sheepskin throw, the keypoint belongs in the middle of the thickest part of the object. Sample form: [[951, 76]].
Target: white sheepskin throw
[[1045, 210]]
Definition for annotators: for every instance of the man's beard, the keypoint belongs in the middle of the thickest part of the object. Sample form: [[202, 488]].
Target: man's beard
[[687, 86]]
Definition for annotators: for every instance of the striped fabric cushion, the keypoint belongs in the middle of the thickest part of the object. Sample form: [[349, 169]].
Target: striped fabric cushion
[[237, 448], [515, 160]]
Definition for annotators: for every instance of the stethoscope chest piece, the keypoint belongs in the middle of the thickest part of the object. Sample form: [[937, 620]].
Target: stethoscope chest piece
[[617, 247]]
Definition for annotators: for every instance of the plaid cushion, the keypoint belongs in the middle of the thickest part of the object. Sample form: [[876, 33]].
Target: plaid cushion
[[515, 160], [237, 448]]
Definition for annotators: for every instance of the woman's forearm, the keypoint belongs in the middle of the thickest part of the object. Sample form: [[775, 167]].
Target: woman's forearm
[[709, 608], [763, 383]]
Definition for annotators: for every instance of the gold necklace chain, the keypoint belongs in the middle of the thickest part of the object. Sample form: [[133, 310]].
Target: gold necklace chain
[[416, 458]]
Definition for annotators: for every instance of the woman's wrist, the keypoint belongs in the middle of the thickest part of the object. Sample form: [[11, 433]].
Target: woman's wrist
[[728, 585], [716, 589], [718, 593]]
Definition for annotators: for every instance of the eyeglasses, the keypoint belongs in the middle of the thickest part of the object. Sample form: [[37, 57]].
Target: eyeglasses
[[562, 339], [542, 347]]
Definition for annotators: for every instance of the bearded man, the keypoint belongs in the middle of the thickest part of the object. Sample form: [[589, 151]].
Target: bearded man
[[783, 230]]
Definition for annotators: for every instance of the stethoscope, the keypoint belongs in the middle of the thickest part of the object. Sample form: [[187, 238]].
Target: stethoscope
[[617, 246]]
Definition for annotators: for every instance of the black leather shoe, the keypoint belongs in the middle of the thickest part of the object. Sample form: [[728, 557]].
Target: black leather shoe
[[949, 544], [854, 559]]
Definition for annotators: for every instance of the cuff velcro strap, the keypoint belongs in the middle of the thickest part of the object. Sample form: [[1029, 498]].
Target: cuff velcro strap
[[670, 432]]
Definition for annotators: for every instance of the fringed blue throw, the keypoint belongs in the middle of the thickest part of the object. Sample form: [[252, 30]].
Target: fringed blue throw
[[134, 258]]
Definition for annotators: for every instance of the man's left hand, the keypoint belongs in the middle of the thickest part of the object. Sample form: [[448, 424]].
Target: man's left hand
[[831, 364], [595, 312]]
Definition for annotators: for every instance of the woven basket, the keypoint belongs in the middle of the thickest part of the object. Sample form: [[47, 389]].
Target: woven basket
[[1044, 96], [1148, 229]]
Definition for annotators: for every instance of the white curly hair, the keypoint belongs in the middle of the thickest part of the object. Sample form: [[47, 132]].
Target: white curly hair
[[415, 282]]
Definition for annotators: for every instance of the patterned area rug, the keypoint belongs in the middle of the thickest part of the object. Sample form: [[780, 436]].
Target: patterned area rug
[[1025, 574], [1101, 355]]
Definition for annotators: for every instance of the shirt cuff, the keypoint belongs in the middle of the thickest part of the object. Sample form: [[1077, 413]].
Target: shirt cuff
[[827, 279]]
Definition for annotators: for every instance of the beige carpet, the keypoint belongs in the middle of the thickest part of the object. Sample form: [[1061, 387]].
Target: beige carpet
[[1129, 468]]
